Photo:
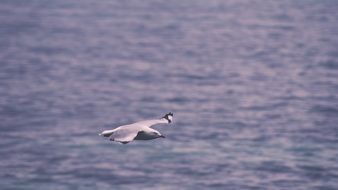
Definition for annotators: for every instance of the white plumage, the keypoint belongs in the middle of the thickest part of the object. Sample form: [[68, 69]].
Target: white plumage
[[137, 131]]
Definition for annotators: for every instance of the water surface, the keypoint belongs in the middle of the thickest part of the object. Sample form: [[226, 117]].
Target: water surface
[[253, 86]]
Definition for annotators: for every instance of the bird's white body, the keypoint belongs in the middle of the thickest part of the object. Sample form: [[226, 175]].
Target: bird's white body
[[137, 131]]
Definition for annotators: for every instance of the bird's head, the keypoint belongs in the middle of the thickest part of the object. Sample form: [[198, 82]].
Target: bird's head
[[158, 134]]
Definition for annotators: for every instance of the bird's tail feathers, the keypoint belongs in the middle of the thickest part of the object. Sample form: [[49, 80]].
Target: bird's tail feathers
[[107, 133]]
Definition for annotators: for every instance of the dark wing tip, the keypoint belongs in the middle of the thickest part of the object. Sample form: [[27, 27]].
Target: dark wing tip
[[166, 115]]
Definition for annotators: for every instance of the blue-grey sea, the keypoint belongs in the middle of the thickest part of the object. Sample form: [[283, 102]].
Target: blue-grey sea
[[253, 85]]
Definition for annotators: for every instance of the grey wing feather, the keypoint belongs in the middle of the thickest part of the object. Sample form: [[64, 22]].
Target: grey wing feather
[[124, 135], [150, 123]]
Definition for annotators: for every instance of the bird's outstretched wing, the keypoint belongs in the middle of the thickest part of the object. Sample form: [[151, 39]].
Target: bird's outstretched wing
[[124, 135], [149, 123], [167, 118]]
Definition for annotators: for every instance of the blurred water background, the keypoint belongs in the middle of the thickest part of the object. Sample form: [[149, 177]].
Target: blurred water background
[[253, 86]]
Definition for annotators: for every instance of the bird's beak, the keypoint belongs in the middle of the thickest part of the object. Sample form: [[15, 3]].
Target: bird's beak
[[162, 136]]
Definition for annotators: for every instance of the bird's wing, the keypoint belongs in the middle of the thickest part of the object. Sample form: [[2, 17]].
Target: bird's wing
[[124, 135], [149, 123]]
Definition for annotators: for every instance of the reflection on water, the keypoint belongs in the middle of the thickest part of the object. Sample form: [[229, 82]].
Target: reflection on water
[[253, 85]]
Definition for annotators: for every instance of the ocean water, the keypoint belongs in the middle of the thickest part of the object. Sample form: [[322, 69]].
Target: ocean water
[[253, 85]]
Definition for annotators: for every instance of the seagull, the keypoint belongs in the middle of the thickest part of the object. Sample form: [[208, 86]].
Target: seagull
[[137, 131]]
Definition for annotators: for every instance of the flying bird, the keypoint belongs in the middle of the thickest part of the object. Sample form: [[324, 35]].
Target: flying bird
[[137, 131]]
